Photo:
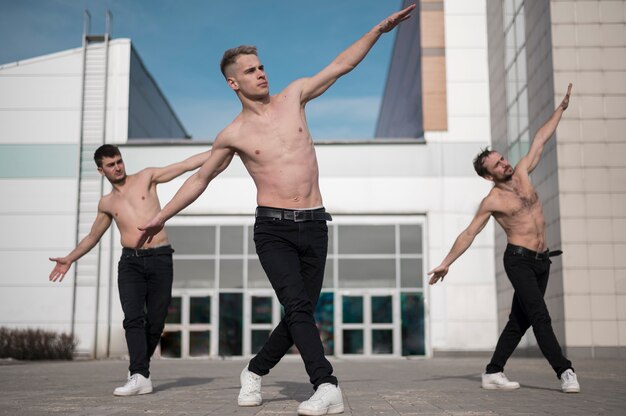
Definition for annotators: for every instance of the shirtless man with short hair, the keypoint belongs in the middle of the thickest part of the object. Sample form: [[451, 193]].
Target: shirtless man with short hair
[[144, 274], [272, 138], [515, 205]]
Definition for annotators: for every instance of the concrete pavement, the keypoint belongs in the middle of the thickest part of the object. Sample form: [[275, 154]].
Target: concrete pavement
[[438, 386]]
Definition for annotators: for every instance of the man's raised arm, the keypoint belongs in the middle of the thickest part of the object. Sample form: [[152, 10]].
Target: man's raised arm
[[167, 173], [531, 160], [189, 192], [463, 241], [347, 60]]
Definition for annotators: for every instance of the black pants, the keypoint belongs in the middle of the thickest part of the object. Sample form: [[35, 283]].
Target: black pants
[[293, 255], [144, 280], [529, 277]]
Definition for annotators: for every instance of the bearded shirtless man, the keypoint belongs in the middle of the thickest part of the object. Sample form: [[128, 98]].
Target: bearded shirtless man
[[515, 205], [144, 274], [272, 138]]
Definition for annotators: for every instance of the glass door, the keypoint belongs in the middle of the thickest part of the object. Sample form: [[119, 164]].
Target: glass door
[[262, 314], [368, 323]]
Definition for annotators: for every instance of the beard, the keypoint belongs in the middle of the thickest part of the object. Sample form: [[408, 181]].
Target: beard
[[117, 181]]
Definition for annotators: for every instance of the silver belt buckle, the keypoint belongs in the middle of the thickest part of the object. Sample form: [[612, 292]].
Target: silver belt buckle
[[295, 216]]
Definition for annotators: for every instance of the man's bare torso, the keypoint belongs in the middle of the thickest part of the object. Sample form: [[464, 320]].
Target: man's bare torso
[[277, 150], [519, 212], [135, 202]]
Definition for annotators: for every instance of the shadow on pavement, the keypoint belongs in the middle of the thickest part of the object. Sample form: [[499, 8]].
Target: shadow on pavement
[[184, 382]]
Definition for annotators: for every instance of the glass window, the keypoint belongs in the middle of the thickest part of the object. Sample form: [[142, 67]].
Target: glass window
[[372, 239], [259, 338], [192, 240], [251, 245], [261, 310], [200, 310], [194, 273], [256, 275], [231, 239], [412, 310], [324, 316], [174, 311], [411, 239], [199, 343], [231, 274], [411, 273], [231, 324], [509, 47], [170, 344], [382, 310], [382, 341], [328, 274], [521, 70], [353, 341], [352, 309], [367, 273]]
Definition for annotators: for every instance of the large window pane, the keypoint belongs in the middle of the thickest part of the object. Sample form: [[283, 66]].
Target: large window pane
[[256, 275], [352, 309], [367, 239], [199, 343], [367, 273], [231, 239], [411, 239], [170, 344], [259, 338], [412, 307], [231, 274], [353, 341], [192, 239], [411, 274], [382, 341], [325, 318], [200, 310], [328, 274], [382, 310], [174, 311], [261, 310], [230, 326], [194, 273]]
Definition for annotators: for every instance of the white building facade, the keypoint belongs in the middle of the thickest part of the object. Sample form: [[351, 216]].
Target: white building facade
[[397, 203]]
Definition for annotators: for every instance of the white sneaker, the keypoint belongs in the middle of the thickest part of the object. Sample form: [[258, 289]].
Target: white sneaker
[[136, 384], [250, 393], [498, 381], [569, 382], [327, 400]]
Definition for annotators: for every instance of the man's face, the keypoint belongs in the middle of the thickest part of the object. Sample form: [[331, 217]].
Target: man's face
[[113, 169], [247, 76], [498, 168]]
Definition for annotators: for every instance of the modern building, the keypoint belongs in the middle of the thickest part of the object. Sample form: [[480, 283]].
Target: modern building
[[398, 201]]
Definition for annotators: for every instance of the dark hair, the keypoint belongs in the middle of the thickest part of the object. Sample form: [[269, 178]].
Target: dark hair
[[230, 56], [479, 161], [106, 150]]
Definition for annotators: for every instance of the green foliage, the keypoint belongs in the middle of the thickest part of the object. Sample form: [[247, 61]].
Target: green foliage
[[36, 344]]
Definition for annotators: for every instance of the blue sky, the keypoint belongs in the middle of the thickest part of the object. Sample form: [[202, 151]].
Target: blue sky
[[181, 43]]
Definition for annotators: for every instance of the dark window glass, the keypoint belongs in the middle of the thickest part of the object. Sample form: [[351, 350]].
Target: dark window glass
[[230, 324], [325, 318], [200, 310], [412, 306], [382, 341], [261, 310], [170, 344], [352, 309], [199, 343], [382, 310], [353, 341], [174, 311]]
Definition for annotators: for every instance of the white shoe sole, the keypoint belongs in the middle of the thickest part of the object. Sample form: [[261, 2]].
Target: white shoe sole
[[572, 390], [144, 390], [496, 387], [335, 409], [249, 403]]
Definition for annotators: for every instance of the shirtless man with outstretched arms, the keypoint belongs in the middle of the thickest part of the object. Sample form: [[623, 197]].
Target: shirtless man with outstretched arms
[[515, 205], [272, 138], [144, 274]]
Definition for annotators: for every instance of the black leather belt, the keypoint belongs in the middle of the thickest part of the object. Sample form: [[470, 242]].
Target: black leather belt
[[295, 215], [524, 252], [147, 252]]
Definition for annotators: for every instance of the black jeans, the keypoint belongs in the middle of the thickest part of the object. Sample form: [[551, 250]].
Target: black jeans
[[529, 277], [144, 279], [293, 255]]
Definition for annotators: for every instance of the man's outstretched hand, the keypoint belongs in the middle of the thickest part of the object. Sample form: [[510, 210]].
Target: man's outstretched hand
[[392, 21], [59, 270], [565, 101], [438, 273], [148, 231]]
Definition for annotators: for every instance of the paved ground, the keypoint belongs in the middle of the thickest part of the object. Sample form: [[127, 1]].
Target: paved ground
[[440, 386]]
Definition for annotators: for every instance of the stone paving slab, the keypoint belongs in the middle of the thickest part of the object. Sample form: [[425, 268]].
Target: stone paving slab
[[438, 386]]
